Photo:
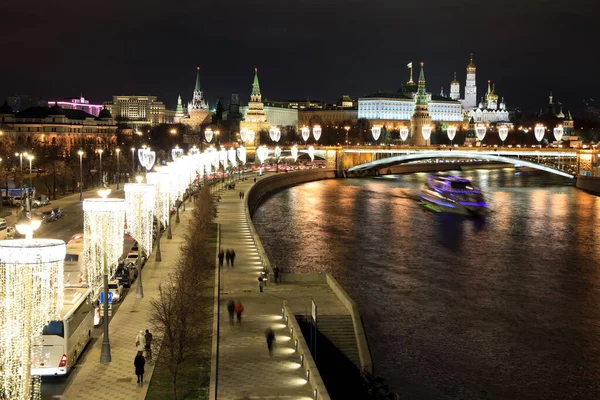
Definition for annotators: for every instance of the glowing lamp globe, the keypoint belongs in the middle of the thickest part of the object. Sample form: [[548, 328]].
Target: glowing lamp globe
[[451, 132], [294, 151], [558, 132], [480, 130], [277, 152], [376, 132], [426, 132], [317, 132], [243, 134], [26, 226], [305, 133], [241, 152], [31, 275], [262, 153], [311, 153], [275, 133], [208, 135], [539, 132], [503, 132], [404, 133]]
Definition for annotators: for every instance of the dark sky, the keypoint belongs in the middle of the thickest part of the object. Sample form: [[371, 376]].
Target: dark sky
[[304, 48]]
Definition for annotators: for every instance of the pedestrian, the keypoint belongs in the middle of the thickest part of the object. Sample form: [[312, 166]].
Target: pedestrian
[[221, 255], [139, 363], [232, 257], [270, 336], [276, 273], [148, 338], [228, 256], [243, 194], [239, 309], [140, 341], [260, 283], [230, 310], [254, 179]]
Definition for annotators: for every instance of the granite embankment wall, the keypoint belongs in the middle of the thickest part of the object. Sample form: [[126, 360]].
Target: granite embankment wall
[[589, 184]]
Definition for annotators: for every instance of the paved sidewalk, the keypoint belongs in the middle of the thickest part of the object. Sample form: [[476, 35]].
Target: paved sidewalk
[[117, 380], [245, 369]]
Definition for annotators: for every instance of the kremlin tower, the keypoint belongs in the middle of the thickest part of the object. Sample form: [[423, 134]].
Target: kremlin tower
[[256, 118], [455, 89], [470, 101], [197, 108], [421, 116]]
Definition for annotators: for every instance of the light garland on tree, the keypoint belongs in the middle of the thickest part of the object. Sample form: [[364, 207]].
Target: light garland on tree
[[244, 134], [223, 157], [275, 133], [250, 135], [31, 295], [140, 199], [558, 132], [163, 195], [103, 230]]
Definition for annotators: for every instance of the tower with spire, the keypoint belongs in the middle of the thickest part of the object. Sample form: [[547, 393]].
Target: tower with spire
[[198, 111], [470, 101], [420, 117], [256, 118], [179, 113], [455, 89], [198, 102]]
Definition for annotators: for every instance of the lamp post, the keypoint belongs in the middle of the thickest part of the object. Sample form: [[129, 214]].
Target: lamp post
[[347, 128], [30, 191], [100, 151], [103, 227], [118, 152], [20, 155], [80, 153]]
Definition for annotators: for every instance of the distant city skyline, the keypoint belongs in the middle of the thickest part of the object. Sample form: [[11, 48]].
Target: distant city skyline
[[304, 50]]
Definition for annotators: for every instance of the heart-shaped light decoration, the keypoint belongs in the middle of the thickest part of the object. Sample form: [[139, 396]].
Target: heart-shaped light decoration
[[150, 159], [294, 151], [244, 134], [250, 135], [451, 132], [275, 133], [193, 151], [404, 133], [376, 132], [503, 132], [305, 133], [426, 132], [311, 153], [242, 154], [262, 153], [176, 153], [317, 132], [480, 130], [558, 132], [208, 134], [539, 131]]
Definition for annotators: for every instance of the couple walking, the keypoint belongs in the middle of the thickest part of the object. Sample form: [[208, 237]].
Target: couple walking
[[229, 256], [237, 308], [142, 342]]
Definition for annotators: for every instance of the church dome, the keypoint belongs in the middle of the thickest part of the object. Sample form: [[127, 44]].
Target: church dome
[[502, 104], [455, 81], [104, 113], [6, 109], [471, 66], [560, 113]]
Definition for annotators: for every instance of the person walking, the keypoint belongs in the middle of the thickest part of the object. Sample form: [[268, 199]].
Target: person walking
[[228, 256], [239, 309], [276, 274], [140, 341], [260, 283], [270, 336], [148, 347], [232, 257], [230, 310], [139, 362], [254, 179], [221, 256]]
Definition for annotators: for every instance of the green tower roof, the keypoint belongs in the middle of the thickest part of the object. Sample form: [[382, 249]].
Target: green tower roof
[[255, 85], [421, 93], [197, 88]]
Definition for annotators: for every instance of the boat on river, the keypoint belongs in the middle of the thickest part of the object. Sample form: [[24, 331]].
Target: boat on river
[[453, 194]]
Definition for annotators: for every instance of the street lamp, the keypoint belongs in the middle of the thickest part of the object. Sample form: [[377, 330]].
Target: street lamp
[[20, 155], [80, 152], [132, 162], [118, 151], [100, 151], [347, 128], [30, 191], [173, 131]]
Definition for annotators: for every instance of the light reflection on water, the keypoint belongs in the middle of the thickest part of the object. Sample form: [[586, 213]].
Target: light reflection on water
[[502, 307]]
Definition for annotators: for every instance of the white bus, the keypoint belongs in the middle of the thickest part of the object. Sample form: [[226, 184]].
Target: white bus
[[64, 340]]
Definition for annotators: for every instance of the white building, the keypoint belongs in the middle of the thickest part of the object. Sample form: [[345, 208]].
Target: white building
[[470, 101], [282, 116], [489, 111], [401, 106]]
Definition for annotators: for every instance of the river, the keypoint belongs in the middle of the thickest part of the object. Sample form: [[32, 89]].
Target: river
[[504, 307]]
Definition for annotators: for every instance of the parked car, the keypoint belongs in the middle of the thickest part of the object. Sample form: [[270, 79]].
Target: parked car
[[15, 201], [123, 275], [132, 257], [41, 201], [116, 288]]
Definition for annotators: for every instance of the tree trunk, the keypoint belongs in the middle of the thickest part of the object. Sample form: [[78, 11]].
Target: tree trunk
[[175, 384]]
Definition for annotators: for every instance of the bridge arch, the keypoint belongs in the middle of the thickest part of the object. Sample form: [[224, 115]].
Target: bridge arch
[[378, 164]]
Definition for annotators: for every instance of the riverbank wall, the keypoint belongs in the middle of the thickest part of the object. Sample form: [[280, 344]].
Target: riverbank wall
[[589, 184]]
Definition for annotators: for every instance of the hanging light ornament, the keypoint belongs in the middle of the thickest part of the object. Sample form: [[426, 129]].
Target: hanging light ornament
[[250, 136], [558, 132], [480, 130], [208, 135], [376, 132], [451, 132], [277, 152], [163, 195], [223, 157], [404, 133], [503, 133], [31, 275], [141, 202], [317, 132], [194, 151], [176, 153], [426, 131], [305, 133], [214, 157], [103, 223], [275, 134], [232, 156], [539, 131], [311, 153], [294, 151], [243, 135], [262, 153], [241, 151]]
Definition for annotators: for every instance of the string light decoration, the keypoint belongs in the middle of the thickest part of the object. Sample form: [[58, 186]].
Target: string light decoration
[[294, 151], [404, 133], [558, 132], [244, 134], [141, 202], [503, 133], [223, 157], [31, 295], [317, 132], [250, 135], [242, 154], [147, 158], [194, 151], [275, 134], [163, 195], [208, 135], [176, 153], [376, 132], [262, 153], [305, 133], [426, 132], [277, 152], [451, 132], [480, 130], [311, 153], [103, 229], [231, 154]]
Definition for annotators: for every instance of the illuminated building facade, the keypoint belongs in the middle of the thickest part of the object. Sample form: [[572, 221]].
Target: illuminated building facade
[[255, 117], [78, 103], [489, 110], [197, 111], [140, 110]]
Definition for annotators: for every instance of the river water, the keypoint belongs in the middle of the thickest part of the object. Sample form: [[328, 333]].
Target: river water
[[502, 307]]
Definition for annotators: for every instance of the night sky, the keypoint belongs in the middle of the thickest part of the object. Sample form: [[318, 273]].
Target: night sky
[[317, 49]]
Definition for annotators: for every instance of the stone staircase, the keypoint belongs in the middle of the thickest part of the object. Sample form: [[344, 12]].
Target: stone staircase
[[340, 331]]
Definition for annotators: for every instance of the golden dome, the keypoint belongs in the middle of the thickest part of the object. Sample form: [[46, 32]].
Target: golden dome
[[471, 65]]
